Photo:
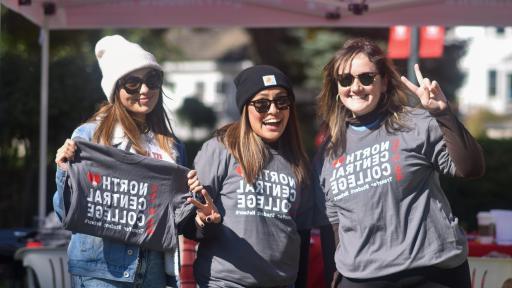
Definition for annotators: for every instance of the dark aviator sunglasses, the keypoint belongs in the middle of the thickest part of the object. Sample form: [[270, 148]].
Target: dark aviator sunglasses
[[263, 105], [131, 84], [367, 79]]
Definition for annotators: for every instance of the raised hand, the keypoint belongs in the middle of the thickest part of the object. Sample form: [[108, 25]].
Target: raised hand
[[206, 212], [430, 94], [64, 153]]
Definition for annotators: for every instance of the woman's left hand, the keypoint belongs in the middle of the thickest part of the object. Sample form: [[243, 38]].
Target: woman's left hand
[[431, 96]]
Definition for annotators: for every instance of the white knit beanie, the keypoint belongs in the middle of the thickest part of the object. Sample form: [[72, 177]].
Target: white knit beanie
[[118, 57]]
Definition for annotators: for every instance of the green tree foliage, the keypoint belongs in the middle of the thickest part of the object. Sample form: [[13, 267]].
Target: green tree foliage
[[468, 197], [74, 91], [476, 121], [74, 95], [196, 114]]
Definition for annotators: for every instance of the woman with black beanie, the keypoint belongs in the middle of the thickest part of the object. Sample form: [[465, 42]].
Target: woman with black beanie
[[253, 176]]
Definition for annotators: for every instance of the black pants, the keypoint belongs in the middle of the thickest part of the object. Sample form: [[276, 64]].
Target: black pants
[[425, 277]]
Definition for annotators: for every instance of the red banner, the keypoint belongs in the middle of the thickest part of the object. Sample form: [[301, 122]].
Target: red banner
[[431, 41], [399, 45]]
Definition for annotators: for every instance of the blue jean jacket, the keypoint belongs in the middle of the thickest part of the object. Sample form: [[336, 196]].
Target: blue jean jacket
[[97, 257]]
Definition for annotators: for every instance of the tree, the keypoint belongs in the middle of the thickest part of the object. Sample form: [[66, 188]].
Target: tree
[[196, 114], [74, 95]]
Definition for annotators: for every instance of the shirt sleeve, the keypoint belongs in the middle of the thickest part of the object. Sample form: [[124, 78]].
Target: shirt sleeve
[[451, 148], [211, 164], [58, 202], [182, 155], [463, 149], [324, 211], [304, 216], [183, 211]]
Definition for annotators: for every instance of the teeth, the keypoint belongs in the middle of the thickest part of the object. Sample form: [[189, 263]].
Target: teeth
[[273, 121]]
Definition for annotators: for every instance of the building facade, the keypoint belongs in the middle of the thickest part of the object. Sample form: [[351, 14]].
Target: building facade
[[487, 66]]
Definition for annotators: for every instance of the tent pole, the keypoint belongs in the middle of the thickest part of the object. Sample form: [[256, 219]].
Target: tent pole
[[43, 123], [413, 59], [413, 56]]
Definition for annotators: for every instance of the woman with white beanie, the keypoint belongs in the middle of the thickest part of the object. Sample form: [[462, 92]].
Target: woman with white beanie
[[134, 120]]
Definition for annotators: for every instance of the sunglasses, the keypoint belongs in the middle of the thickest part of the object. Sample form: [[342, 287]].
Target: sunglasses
[[346, 80], [131, 84], [263, 105]]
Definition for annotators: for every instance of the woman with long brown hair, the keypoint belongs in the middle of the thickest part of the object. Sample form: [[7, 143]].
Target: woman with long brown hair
[[379, 173], [134, 120], [254, 177]]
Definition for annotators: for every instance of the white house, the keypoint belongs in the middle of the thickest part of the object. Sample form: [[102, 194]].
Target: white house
[[488, 69], [209, 82]]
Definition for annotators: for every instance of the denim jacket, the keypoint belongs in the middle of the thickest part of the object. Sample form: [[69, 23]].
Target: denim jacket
[[97, 257]]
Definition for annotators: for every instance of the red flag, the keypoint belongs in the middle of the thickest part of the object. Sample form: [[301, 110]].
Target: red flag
[[431, 41], [399, 45]]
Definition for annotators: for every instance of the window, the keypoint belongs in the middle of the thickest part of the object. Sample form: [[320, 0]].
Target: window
[[171, 86], [492, 83], [509, 84], [200, 91], [222, 87]]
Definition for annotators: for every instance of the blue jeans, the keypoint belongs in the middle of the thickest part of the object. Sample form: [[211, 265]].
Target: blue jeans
[[150, 273]]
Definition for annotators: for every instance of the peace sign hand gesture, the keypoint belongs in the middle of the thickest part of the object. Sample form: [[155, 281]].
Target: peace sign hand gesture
[[206, 212], [431, 96]]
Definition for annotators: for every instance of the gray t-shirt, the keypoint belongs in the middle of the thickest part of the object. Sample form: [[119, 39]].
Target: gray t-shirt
[[124, 196], [384, 192], [257, 243]]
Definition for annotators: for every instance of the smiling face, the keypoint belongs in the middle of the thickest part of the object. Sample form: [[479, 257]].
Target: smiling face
[[358, 98], [269, 125], [144, 100]]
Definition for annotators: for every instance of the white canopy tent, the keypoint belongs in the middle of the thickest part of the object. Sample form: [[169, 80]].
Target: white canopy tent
[[89, 14], [98, 14]]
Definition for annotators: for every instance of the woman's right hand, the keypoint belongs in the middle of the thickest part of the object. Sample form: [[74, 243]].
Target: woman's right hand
[[206, 212], [430, 94], [65, 153]]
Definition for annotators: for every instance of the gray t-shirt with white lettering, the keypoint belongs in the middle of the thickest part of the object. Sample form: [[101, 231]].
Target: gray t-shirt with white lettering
[[111, 193], [257, 243], [385, 194]]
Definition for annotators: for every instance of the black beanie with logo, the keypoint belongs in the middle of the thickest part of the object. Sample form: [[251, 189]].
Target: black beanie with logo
[[256, 78]]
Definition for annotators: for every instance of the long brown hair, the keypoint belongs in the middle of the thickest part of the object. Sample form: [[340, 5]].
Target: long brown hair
[[156, 121], [334, 114], [252, 154]]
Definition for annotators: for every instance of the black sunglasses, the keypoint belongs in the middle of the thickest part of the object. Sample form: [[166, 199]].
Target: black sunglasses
[[263, 105], [131, 84], [367, 78]]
